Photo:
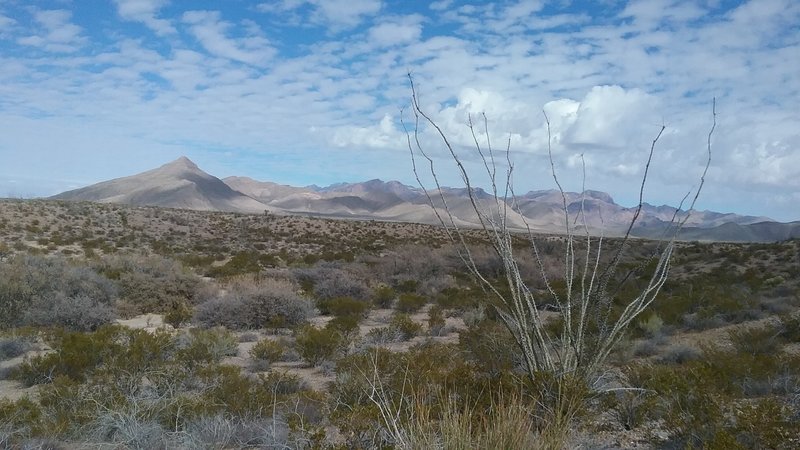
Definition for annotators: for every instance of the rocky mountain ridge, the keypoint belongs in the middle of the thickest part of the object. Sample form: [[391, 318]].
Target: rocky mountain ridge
[[182, 184]]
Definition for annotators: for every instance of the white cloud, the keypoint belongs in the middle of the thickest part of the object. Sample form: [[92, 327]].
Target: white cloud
[[146, 12], [6, 22], [383, 135], [608, 114], [337, 14], [440, 5], [212, 32], [58, 33], [396, 32]]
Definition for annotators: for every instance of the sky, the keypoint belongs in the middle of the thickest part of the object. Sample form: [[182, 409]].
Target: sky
[[307, 92]]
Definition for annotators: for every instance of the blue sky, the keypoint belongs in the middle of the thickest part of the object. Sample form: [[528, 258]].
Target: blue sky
[[311, 92]]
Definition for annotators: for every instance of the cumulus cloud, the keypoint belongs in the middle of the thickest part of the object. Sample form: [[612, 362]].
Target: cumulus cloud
[[58, 33], [146, 12], [383, 135], [607, 115], [396, 32]]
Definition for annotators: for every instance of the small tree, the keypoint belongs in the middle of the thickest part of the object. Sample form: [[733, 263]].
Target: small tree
[[568, 361]]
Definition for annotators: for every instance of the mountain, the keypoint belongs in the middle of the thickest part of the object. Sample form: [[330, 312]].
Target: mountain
[[178, 184], [181, 184]]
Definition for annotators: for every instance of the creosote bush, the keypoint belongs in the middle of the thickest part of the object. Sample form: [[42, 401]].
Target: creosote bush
[[410, 303], [135, 389], [36, 290], [254, 304], [149, 284], [316, 345], [343, 306], [384, 296]]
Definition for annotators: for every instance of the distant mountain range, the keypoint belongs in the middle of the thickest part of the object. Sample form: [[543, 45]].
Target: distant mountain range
[[181, 184]]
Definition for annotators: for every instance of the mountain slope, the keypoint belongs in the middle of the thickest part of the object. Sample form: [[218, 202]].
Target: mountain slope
[[178, 184], [181, 184]]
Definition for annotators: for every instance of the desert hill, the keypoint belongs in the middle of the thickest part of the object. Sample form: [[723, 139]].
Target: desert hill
[[178, 184], [181, 184]]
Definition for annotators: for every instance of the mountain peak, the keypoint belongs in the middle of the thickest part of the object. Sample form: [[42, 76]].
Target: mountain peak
[[183, 162]]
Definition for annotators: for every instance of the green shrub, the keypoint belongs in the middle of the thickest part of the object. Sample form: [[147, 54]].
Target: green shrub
[[347, 325], [383, 336], [455, 298], [406, 286], [179, 313], [242, 263], [76, 355], [410, 303], [319, 344], [761, 340], [200, 346], [490, 346], [343, 306], [384, 297], [266, 352], [436, 320], [405, 326], [652, 326]]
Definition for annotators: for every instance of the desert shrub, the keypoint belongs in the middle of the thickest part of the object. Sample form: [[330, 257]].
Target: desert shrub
[[347, 325], [410, 303], [406, 286], [266, 352], [19, 420], [258, 304], [645, 348], [343, 306], [761, 340], [76, 313], [13, 346], [77, 354], [405, 326], [490, 346], [248, 336], [328, 280], [436, 320], [242, 263], [319, 344], [455, 298], [223, 431], [422, 380], [178, 314], [700, 401], [229, 312], [652, 325], [384, 296], [789, 328], [206, 346], [149, 284], [28, 283], [766, 423], [383, 336], [680, 354]]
